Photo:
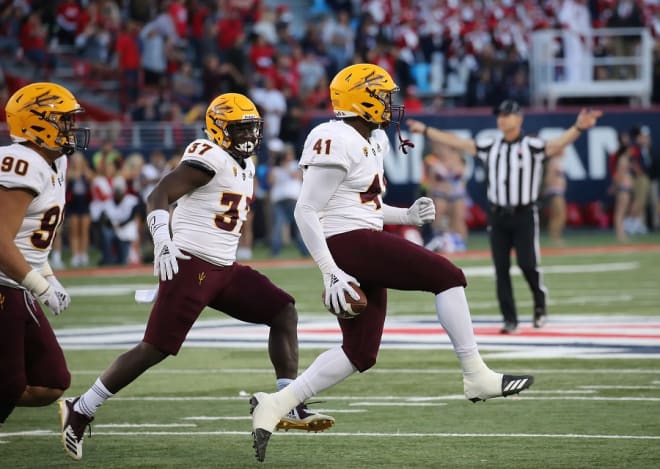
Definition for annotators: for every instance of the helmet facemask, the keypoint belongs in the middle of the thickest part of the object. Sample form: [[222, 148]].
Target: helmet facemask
[[70, 138], [244, 138], [391, 113]]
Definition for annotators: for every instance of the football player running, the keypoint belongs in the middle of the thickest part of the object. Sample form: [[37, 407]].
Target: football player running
[[41, 123], [341, 214], [212, 186]]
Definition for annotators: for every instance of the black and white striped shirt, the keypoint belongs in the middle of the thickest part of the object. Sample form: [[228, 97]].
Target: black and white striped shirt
[[515, 169]]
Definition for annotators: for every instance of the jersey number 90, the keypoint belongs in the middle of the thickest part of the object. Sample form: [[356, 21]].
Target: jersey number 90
[[43, 237]]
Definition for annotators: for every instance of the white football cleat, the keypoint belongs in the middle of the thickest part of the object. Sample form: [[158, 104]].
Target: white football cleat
[[489, 384], [265, 416]]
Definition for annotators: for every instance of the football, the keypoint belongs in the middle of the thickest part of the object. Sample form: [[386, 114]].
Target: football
[[355, 306]]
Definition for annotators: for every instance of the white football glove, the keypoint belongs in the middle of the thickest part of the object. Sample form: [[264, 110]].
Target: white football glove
[[165, 251], [49, 291], [421, 211], [336, 286], [56, 300], [165, 259], [60, 291]]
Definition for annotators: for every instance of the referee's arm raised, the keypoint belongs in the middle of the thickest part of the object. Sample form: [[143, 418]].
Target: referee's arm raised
[[586, 119], [463, 144]]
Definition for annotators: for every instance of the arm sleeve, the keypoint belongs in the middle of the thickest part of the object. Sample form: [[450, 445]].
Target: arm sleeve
[[319, 185], [395, 215]]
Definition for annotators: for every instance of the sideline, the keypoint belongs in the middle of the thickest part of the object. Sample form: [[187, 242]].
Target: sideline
[[293, 263]]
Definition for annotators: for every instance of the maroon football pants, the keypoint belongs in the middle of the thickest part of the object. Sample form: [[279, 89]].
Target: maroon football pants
[[381, 260]]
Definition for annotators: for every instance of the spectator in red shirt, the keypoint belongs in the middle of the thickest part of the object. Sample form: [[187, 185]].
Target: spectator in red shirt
[[177, 10], [248, 10], [33, 43], [127, 48], [261, 56], [67, 15], [228, 29], [198, 29]]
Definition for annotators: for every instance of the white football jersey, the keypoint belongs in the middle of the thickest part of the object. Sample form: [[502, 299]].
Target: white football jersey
[[207, 222], [22, 167], [357, 204]]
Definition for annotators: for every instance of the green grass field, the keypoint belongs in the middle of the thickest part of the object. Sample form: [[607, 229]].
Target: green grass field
[[407, 412]]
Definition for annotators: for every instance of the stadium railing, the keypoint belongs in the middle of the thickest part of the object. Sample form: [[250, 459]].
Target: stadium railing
[[547, 81]]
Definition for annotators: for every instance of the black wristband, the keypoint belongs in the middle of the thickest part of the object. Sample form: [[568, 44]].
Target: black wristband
[[575, 126], [426, 132]]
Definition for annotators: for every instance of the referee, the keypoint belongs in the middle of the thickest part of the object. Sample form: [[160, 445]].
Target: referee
[[514, 165]]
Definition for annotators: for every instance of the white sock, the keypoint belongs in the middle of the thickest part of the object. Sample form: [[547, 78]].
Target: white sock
[[329, 368], [454, 315], [92, 399], [283, 383]]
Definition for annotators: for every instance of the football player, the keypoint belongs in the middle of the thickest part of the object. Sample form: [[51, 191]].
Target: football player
[[40, 119], [341, 214], [212, 186]]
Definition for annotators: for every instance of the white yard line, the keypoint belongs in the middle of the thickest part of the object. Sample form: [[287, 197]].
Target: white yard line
[[118, 289], [447, 397], [330, 434], [394, 371], [143, 425]]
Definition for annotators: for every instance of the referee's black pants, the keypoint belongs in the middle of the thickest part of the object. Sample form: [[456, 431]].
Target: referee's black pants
[[517, 228]]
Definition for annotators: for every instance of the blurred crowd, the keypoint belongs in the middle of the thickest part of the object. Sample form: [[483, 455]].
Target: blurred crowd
[[106, 206], [634, 170], [107, 190], [171, 57]]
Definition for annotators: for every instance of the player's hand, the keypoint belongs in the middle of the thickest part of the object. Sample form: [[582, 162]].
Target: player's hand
[[61, 291], [421, 211], [165, 259], [166, 253], [57, 300], [336, 287], [49, 291]]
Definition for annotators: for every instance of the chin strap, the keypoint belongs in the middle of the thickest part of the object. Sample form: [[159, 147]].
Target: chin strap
[[403, 143]]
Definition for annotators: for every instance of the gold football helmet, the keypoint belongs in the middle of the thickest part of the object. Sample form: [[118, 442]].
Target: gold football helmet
[[43, 113], [234, 123], [365, 90]]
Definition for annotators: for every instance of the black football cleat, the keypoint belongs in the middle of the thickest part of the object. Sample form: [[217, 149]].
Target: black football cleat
[[265, 417], [540, 317], [260, 439], [509, 328], [73, 428]]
